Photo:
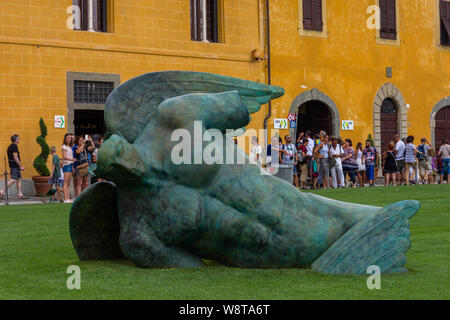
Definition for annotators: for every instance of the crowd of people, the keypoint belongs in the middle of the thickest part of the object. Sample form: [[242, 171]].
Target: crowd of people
[[78, 155], [323, 161], [318, 161]]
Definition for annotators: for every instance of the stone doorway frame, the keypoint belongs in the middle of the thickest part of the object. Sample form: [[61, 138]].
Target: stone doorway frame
[[389, 90], [85, 76], [437, 107], [316, 95]]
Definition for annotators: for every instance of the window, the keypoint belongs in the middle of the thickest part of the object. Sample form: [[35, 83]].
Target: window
[[204, 20], [388, 106], [93, 92], [93, 15], [444, 10], [312, 15], [88, 91], [388, 19]]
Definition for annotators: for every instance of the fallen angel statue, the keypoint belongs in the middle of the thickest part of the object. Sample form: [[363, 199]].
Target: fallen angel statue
[[162, 214]]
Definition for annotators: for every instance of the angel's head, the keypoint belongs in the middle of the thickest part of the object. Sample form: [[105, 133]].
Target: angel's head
[[119, 160]]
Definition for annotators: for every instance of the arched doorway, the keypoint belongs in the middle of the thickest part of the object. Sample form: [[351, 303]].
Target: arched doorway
[[315, 103], [391, 92], [388, 122], [440, 122], [442, 129], [315, 116]]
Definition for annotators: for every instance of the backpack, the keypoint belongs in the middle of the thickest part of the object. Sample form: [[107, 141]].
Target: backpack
[[315, 169], [316, 144], [331, 160], [421, 148], [301, 158], [284, 156]]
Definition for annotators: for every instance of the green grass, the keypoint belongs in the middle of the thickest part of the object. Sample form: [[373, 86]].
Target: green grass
[[35, 251]]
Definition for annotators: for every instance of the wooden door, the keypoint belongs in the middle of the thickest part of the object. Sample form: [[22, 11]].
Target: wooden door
[[388, 122], [320, 118], [442, 130]]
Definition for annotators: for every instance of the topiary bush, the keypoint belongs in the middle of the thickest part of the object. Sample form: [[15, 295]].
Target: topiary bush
[[40, 163], [371, 140]]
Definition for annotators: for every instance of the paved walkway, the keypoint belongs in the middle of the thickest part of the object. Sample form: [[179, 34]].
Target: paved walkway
[[14, 201]]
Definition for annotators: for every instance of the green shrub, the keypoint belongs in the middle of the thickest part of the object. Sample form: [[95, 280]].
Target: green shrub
[[371, 140], [40, 163]]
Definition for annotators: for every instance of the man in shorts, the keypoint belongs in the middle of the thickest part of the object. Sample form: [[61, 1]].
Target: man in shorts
[[16, 167], [290, 156], [424, 165], [322, 134], [370, 155], [309, 152], [302, 160]]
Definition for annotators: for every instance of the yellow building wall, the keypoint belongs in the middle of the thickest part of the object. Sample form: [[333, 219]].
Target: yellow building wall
[[37, 49], [349, 65]]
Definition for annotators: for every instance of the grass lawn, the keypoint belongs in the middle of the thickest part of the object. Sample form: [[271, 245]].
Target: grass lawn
[[35, 251]]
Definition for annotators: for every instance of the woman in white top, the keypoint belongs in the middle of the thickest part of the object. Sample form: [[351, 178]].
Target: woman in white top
[[410, 158], [361, 165], [337, 152], [444, 152], [256, 152], [67, 167]]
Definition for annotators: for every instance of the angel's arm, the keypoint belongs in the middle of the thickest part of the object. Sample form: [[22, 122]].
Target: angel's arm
[[220, 111]]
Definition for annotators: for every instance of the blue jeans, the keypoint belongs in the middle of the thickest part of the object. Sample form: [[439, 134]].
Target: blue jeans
[[370, 172], [446, 166]]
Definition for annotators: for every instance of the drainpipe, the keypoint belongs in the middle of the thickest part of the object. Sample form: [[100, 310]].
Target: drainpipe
[[91, 16], [269, 73], [204, 27]]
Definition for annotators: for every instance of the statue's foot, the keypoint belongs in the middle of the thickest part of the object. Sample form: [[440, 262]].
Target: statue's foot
[[381, 239]]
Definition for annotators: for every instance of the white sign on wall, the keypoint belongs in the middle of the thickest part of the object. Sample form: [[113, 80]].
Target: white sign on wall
[[60, 122], [347, 124], [280, 123]]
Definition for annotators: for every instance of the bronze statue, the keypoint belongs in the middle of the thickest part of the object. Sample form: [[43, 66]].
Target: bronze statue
[[159, 213]]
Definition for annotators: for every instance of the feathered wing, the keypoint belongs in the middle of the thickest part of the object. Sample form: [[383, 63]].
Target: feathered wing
[[94, 223], [381, 240], [130, 106]]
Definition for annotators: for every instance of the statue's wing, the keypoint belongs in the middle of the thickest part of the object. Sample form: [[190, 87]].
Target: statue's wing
[[130, 106], [94, 223]]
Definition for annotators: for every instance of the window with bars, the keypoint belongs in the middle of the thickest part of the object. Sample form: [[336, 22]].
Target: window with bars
[[99, 20], [388, 106], [92, 92], [388, 19], [204, 20], [444, 12], [312, 15]]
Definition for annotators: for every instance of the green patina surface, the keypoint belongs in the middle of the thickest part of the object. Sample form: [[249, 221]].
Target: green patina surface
[[161, 214]]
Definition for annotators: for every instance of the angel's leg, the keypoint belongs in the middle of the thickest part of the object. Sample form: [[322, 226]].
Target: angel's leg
[[140, 244]]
